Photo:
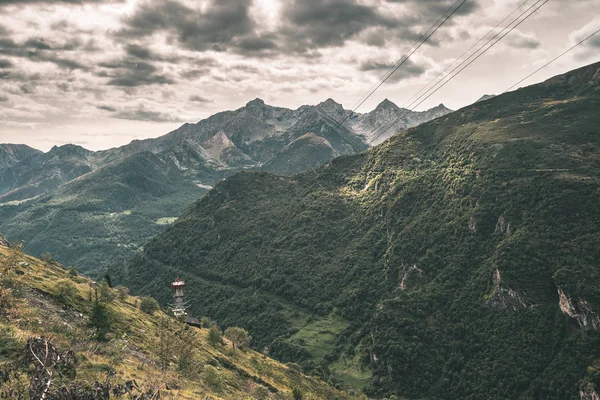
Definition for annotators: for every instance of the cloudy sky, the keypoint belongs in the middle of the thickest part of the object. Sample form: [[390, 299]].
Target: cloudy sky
[[100, 73]]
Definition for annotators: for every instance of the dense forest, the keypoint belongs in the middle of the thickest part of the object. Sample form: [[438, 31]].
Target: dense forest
[[458, 259]]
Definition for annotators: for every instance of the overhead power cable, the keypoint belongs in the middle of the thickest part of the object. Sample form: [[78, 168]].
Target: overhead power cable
[[391, 69], [466, 63], [409, 101], [434, 28], [551, 61]]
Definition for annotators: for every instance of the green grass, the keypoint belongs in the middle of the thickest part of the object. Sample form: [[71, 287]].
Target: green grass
[[318, 333], [350, 372]]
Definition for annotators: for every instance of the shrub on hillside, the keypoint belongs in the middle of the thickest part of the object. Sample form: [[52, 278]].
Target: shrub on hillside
[[106, 293], [46, 257], [149, 305], [122, 292], [212, 377], [65, 290], [215, 337], [9, 343]]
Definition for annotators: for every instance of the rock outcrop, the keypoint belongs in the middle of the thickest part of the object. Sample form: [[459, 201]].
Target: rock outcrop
[[504, 298], [580, 310]]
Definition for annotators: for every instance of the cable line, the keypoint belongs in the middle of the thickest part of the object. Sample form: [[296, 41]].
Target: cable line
[[551, 61], [390, 70], [451, 11], [463, 54], [470, 59], [430, 93]]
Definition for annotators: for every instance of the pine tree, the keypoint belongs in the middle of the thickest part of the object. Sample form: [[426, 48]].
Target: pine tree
[[100, 318]]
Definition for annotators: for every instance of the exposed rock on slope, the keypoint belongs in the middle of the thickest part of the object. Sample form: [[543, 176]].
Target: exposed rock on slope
[[580, 310]]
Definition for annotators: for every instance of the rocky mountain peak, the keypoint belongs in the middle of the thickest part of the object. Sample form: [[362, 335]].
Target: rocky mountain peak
[[256, 103], [11, 154], [331, 107], [68, 148], [387, 105]]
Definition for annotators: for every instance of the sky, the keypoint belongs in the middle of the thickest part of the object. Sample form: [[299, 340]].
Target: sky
[[100, 73]]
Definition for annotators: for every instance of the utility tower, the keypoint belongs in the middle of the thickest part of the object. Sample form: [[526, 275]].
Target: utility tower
[[178, 303]]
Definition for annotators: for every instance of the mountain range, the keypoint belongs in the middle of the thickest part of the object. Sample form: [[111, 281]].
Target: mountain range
[[95, 208], [457, 259]]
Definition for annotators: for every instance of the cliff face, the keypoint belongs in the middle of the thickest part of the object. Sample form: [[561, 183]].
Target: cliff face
[[580, 310]]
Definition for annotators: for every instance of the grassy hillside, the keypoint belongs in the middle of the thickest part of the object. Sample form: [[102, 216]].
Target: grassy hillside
[[163, 356], [460, 257]]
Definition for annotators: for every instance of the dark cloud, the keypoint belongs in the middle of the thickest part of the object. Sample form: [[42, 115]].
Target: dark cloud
[[250, 69], [133, 73], [3, 99], [37, 44], [427, 9], [318, 23], [19, 76], [4, 30], [51, 2], [39, 50], [146, 115], [376, 38], [145, 53], [5, 64], [307, 25], [312, 24], [106, 108], [409, 69], [594, 42], [257, 45], [64, 87], [523, 42], [138, 51], [201, 68], [28, 88], [221, 22], [199, 99], [193, 74]]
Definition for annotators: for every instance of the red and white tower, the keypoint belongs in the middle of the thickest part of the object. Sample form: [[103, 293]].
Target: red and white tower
[[178, 303]]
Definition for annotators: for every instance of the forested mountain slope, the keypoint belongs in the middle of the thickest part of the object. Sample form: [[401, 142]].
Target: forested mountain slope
[[458, 259]]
